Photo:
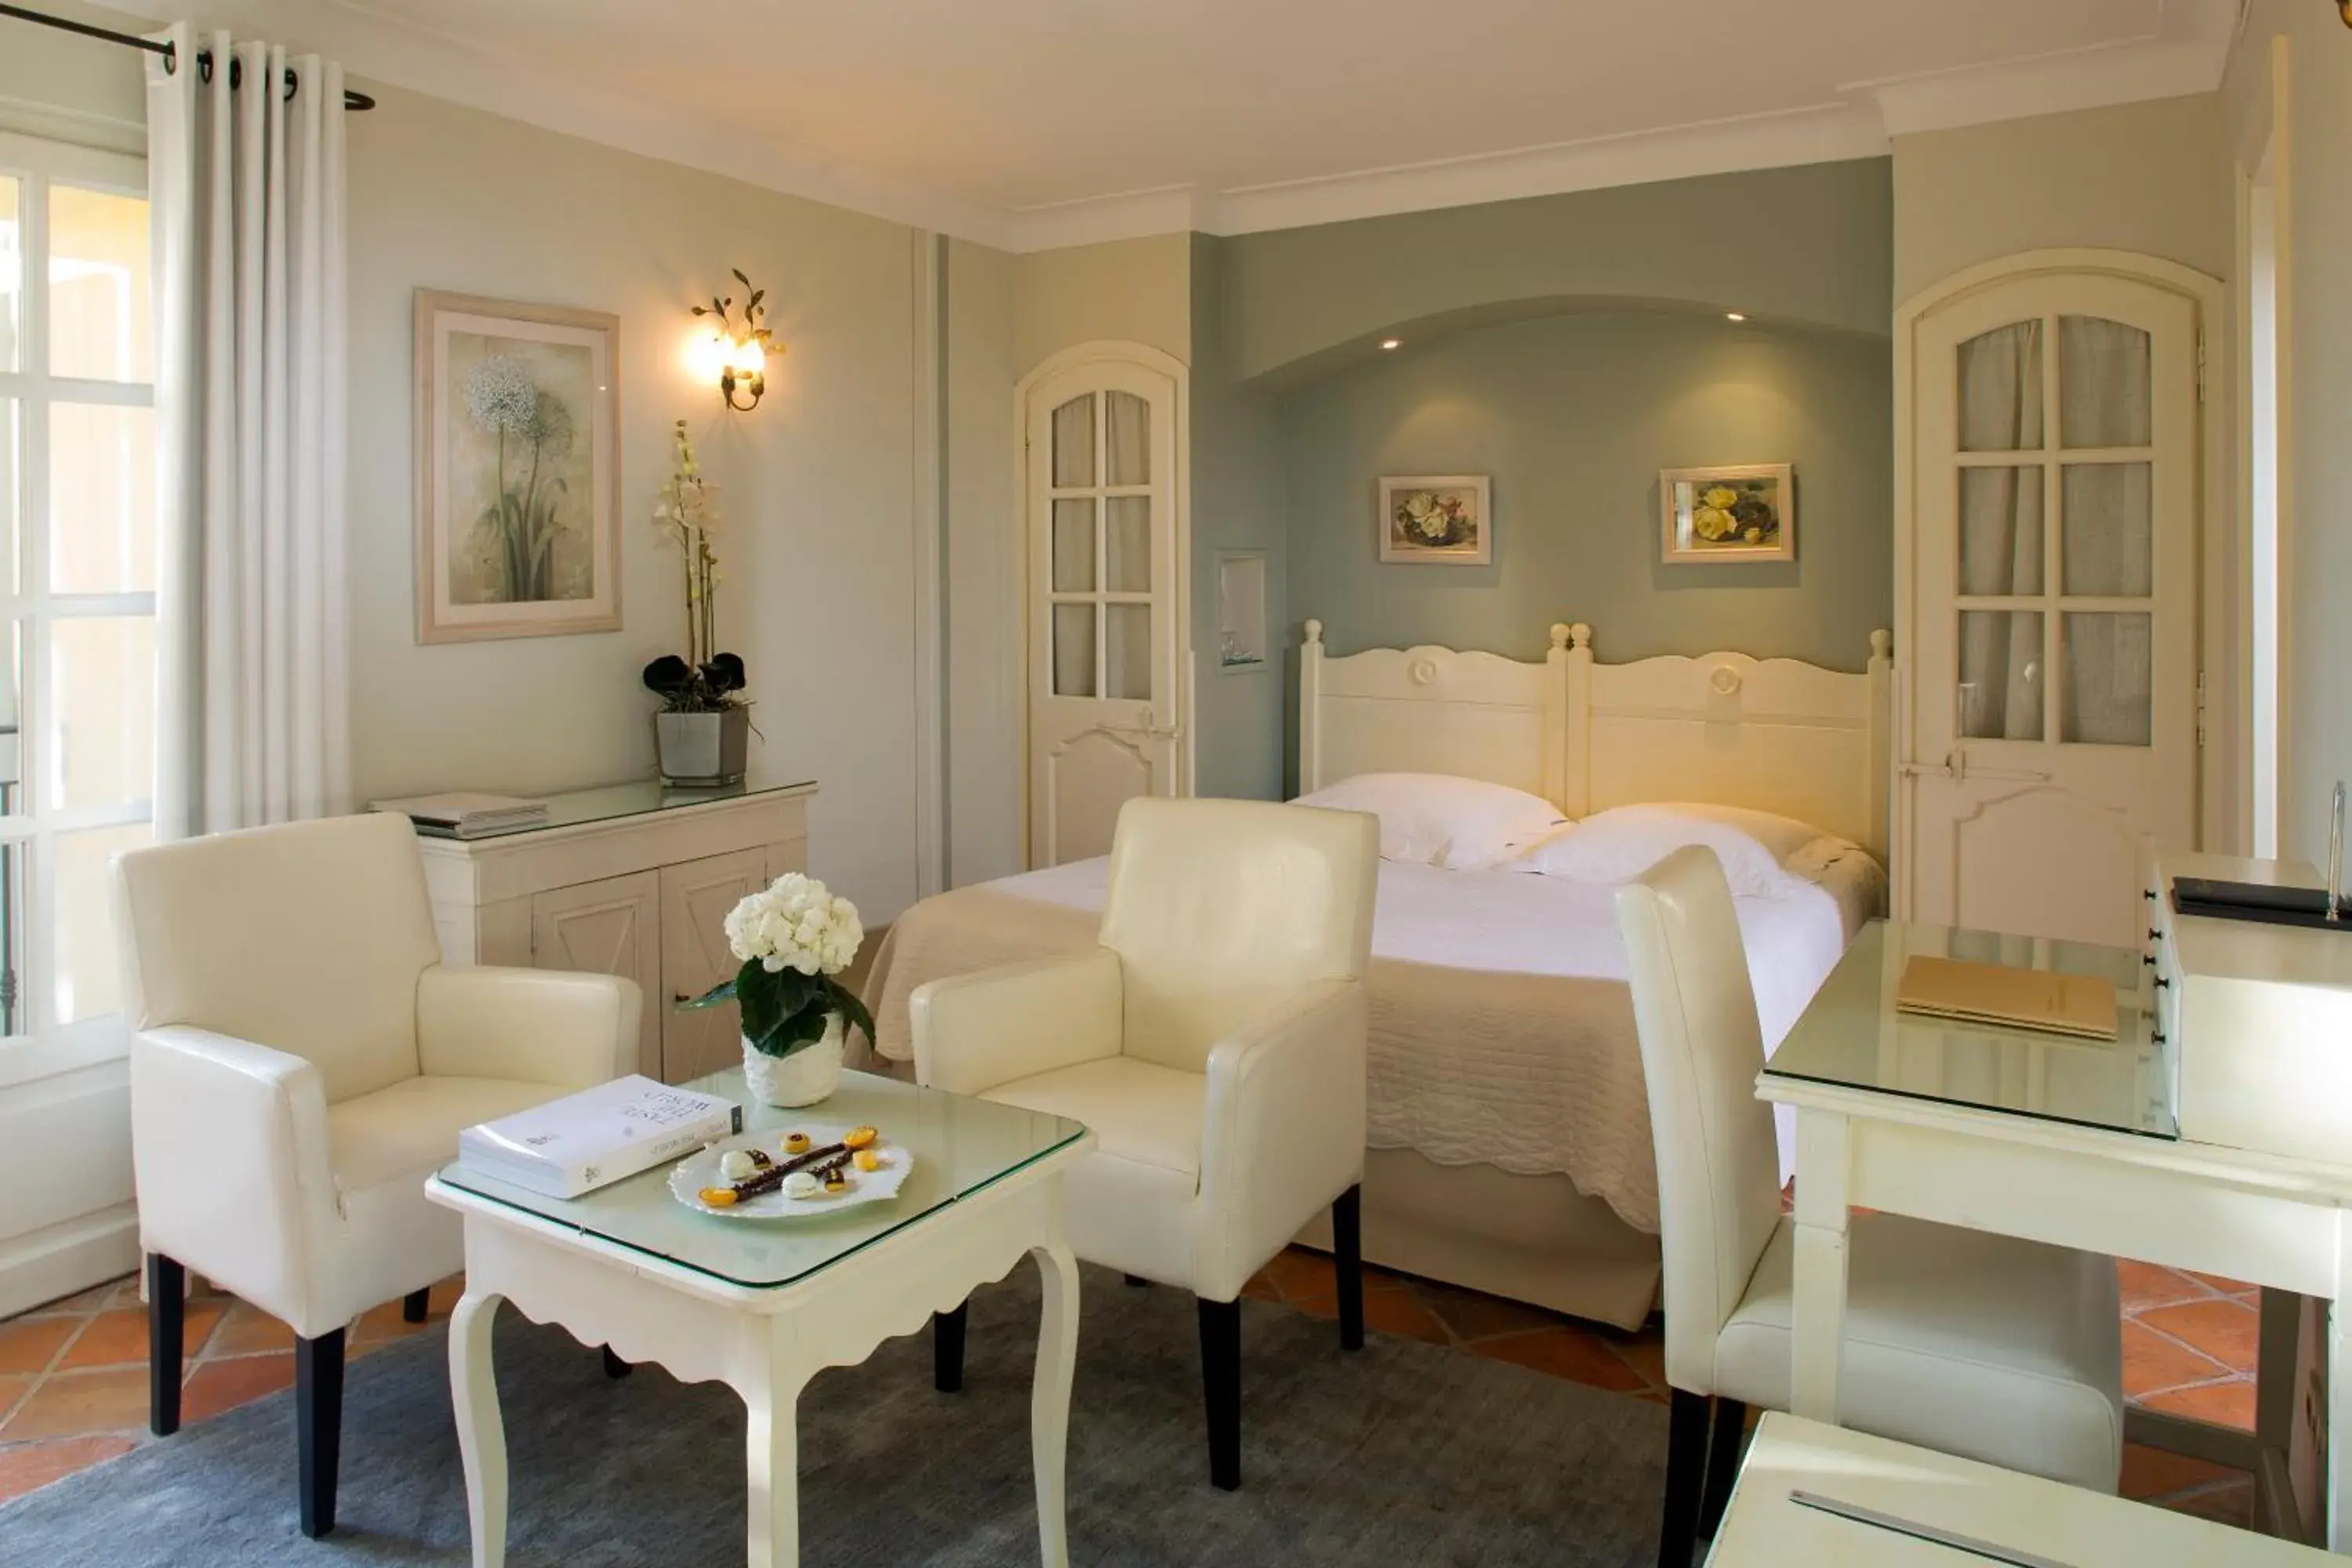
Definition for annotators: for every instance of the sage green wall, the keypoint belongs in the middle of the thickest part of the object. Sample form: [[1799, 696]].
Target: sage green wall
[[1806, 244], [1573, 417]]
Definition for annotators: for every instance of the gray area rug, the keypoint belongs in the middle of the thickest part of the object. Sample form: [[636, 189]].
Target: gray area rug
[[1403, 1455]]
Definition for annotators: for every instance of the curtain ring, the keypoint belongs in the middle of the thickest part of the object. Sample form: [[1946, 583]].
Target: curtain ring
[[170, 59], [292, 82]]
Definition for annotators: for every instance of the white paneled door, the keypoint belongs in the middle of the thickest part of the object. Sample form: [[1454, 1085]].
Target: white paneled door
[[2050, 709], [1107, 689]]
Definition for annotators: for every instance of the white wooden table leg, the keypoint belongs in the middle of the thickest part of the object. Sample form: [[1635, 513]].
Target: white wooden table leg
[[1817, 1303], [2337, 1482], [482, 1433], [773, 1466], [1049, 1397]]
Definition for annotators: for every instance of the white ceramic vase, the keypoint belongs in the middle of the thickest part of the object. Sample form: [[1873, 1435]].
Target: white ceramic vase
[[805, 1076]]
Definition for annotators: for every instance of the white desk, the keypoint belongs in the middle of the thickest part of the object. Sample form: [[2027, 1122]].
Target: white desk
[[763, 1306], [2031, 1135], [2024, 1518]]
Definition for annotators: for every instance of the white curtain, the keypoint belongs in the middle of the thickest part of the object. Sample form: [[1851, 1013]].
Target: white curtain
[[2001, 533], [245, 178]]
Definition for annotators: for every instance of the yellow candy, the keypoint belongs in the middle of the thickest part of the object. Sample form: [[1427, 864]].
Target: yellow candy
[[859, 1138], [835, 1182], [717, 1197], [796, 1143], [867, 1160]]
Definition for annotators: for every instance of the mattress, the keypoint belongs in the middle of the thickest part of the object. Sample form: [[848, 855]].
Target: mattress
[[1502, 1032]]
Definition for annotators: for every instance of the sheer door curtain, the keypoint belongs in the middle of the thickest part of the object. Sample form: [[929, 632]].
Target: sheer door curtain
[[2103, 396], [246, 173]]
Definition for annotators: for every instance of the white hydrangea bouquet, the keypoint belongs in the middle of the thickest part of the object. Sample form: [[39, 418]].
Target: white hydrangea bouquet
[[794, 940]]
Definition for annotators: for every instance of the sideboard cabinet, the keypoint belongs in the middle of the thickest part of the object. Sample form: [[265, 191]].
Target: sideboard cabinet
[[632, 879]]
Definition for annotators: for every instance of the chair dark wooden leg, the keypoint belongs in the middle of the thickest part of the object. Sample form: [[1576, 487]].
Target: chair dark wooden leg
[[1220, 1382], [1136, 1281], [1347, 1260], [318, 1420], [615, 1366], [1686, 1436], [946, 1349], [1722, 1463], [167, 1339], [412, 1305]]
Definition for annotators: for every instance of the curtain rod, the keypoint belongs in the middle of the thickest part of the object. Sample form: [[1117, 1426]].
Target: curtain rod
[[354, 102]]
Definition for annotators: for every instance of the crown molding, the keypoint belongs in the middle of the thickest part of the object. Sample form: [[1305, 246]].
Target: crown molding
[[2186, 56]]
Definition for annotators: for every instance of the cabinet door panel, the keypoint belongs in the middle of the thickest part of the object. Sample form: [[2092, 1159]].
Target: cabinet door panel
[[609, 927], [695, 899]]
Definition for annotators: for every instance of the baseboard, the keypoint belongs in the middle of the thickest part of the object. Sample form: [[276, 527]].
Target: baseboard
[[68, 1257]]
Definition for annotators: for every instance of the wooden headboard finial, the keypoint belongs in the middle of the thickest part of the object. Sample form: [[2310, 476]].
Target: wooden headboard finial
[[1580, 633], [1560, 634], [1314, 631], [1882, 645]]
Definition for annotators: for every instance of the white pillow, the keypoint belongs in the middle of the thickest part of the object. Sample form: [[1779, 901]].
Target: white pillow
[[1438, 819], [1619, 845]]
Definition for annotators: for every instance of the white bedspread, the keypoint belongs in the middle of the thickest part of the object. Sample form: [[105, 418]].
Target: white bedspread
[[1502, 1031]]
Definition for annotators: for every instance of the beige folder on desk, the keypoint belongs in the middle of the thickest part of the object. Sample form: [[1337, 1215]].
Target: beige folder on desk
[[1992, 994]]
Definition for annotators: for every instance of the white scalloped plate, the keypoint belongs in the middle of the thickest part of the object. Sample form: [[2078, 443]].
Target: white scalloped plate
[[697, 1171]]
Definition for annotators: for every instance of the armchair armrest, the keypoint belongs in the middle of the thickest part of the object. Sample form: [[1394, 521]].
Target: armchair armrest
[[229, 1150], [1283, 1131], [534, 1025], [975, 1031]]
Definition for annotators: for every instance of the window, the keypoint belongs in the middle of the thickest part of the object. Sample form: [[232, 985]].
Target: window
[[78, 685]]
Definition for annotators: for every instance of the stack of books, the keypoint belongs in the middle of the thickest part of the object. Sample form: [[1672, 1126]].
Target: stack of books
[[2001, 998], [596, 1137], [466, 815]]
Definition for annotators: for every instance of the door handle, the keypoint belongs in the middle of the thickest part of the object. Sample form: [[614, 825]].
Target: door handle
[[1955, 766]]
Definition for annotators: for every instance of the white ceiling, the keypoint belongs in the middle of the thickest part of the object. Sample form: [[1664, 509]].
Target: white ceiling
[[1032, 122]]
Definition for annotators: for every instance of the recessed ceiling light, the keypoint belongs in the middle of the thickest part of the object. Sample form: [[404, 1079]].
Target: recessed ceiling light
[[1733, 316], [1391, 343]]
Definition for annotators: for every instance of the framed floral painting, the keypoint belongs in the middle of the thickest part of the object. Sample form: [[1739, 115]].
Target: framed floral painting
[[1728, 515], [1441, 519], [518, 469]]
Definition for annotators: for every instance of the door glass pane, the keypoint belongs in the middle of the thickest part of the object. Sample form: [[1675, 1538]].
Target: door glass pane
[[101, 498], [1073, 650], [2000, 675], [2103, 384], [12, 271], [97, 286], [87, 986], [1129, 542], [1128, 438], [12, 456], [1074, 443], [2105, 533], [2107, 659], [1127, 651], [2000, 389], [101, 719], [1073, 546], [2001, 531]]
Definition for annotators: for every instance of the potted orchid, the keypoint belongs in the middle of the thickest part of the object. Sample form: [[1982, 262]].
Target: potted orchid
[[794, 940], [702, 735]]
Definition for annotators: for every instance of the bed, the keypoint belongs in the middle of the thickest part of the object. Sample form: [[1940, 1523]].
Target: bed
[[1509, 1128]]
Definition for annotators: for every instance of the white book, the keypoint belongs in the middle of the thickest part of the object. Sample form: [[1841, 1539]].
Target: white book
[[598, 1136], [461, 813]]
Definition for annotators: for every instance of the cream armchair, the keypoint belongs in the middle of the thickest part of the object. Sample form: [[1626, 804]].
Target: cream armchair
[[1994, 1349], [300, 1062], [1213, 1041]]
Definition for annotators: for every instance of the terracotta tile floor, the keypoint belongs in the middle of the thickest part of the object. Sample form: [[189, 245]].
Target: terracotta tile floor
[[73, 1375]]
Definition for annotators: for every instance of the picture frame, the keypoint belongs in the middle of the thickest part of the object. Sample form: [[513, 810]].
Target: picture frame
[[1757, 522], [1436, 520], [518, 469], [1243, 645]]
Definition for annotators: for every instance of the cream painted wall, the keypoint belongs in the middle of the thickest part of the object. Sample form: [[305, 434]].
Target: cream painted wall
[[2140, 176], [74, 90], [817, 541], [1127, 291], [2316, 573]]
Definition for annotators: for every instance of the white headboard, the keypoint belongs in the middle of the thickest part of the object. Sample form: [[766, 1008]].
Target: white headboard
[[1771, 734]]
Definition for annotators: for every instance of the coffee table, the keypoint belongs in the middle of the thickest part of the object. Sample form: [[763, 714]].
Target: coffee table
[[763, 1305]]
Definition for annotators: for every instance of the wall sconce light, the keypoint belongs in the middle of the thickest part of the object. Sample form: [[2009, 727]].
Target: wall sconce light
[[734, 356]]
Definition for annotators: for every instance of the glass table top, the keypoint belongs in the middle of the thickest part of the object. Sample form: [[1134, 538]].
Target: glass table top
[[638, 798], [1851, 1034], [959, 1146]]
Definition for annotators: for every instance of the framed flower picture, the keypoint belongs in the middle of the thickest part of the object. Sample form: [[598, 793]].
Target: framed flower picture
[[1728, 515], [1441, 519], [518, 469]]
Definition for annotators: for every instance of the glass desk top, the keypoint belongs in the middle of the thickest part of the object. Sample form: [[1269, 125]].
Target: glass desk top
[[641, 797], [1851, 1034], [961, 1146]]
